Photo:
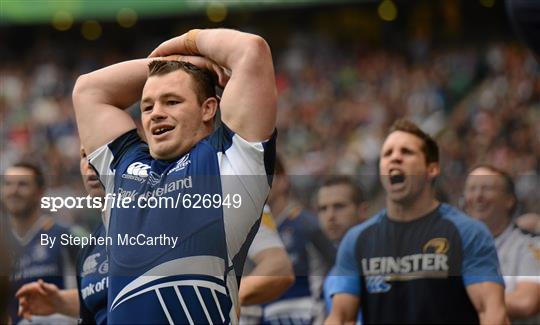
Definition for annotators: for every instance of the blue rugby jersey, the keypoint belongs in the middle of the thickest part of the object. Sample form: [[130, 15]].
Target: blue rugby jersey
[[197, 281], [418, 271], [34, 261], [92, 271]]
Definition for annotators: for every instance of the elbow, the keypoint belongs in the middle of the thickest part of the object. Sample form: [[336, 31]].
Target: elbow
[[257, 52], [287, 281], [80, 87], [281, 284]]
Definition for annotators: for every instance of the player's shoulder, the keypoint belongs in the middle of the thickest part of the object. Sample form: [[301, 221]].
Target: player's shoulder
[[520, 232], [223, 138], [465, 224], [523, 238]]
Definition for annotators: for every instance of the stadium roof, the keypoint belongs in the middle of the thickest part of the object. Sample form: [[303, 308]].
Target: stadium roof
[[45, 11]]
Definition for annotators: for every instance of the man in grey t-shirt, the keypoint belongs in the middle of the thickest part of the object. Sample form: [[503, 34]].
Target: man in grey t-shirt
[[489, 197]]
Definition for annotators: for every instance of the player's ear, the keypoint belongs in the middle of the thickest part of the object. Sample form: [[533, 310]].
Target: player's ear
[[209, 109], [433, 170]]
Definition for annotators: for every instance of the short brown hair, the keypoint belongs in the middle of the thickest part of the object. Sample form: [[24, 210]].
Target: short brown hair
[[430, 147], [357, 193], [38, 173], [203, 79]]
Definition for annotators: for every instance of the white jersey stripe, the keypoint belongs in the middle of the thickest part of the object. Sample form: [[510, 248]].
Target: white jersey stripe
[[218, 306], [165, 310], [203, 305], [184, 307]]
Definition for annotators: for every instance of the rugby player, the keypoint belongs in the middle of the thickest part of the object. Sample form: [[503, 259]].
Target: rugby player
[[417, 261], [22, 190], [490, 198], [341, 205], [184, 158], [311, 252]]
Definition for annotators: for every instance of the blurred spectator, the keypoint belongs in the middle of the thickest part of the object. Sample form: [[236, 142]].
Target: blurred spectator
[[490, 197], [22, 189]]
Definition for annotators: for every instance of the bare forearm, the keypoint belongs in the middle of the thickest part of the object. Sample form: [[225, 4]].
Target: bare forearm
[[118, 85], [271, 277], [260, 289], [521, 305], [229, 48], [232, 49]]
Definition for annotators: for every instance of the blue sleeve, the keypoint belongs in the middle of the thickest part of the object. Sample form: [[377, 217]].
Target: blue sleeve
[[480, 262], [328, 284], [345, 277], [121, 145]]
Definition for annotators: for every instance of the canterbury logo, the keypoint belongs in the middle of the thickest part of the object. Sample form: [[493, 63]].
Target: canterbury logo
[[138, 169], [439, 246]]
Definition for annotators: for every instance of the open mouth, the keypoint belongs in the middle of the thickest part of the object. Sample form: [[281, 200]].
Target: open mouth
[[396, 177], [162, 130]]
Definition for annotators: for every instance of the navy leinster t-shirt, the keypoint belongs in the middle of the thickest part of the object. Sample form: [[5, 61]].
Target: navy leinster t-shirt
[[418, 271]]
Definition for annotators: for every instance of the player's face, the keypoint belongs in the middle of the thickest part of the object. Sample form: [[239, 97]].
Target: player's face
[[91, 182], [337, 211], [404, 172], [20, 193], [486, 197], [172, 117]]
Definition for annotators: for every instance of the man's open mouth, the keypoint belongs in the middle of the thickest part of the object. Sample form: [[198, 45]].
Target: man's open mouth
[[162, 130], [396, 177]]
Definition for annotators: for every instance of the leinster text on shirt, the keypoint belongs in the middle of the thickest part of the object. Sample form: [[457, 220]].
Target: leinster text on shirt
[[407, 267]]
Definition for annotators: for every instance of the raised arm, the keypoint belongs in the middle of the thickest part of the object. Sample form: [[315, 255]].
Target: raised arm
[[248, 104], [100, 98]]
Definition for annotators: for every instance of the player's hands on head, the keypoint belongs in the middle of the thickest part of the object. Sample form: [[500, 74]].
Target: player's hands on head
[[38, 298]]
